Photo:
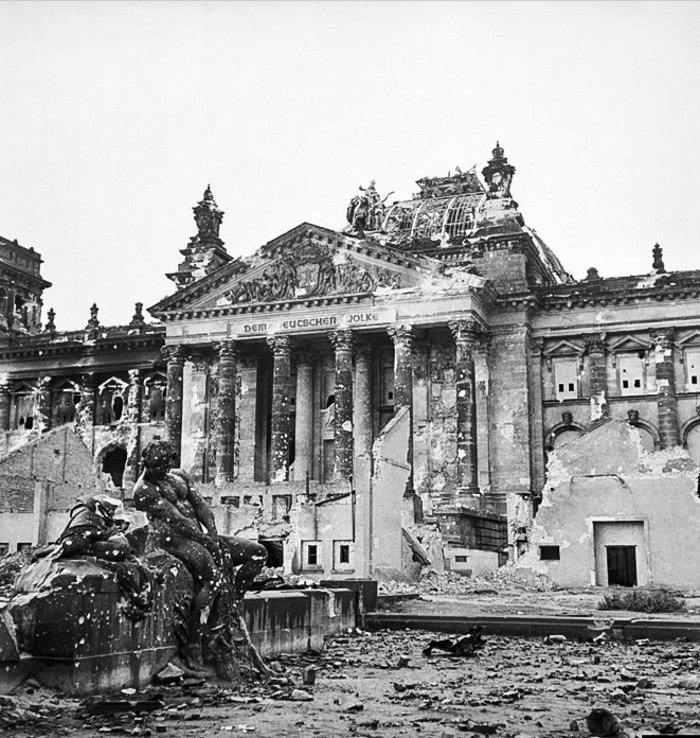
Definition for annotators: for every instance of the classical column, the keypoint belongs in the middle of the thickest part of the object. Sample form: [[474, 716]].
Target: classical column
[[5, 395], [666, 389], [362, 411], [304, 427], [225, 413], [43, 404], [281, 416], [342, 343], [173, 395], [133, 416], [402, 336], [465, 333], [598, 377], [85, 416]]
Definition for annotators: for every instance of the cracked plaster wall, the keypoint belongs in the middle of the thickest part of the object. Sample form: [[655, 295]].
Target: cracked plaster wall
[[605, 476]]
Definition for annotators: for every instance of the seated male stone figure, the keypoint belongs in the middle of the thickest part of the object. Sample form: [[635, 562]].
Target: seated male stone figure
[[185, 527]]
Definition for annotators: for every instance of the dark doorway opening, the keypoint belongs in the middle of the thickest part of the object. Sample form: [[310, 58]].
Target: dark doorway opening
[[114, 464], [622, 565], [263, 420], [275, 552]]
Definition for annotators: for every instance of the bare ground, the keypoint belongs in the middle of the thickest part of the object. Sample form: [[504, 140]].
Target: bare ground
[[380, 684]]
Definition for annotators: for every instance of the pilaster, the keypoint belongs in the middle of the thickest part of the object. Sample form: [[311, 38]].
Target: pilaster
[[225, 413], [666, 388]]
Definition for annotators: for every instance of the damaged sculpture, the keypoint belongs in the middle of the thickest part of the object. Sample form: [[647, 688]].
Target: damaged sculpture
[[97, 528], [222, 567]]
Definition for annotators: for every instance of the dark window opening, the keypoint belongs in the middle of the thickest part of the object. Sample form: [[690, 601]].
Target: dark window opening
[[391, 395], [28, 423], [561, 387], [460, 559], [571, 386], [24, 546], [275, 552], [625, 384], [312, 554], [118, 407], [330, 401], [694, 379], [637, 382], [4, 549], [549, 553], [114, 464], [344, 553]]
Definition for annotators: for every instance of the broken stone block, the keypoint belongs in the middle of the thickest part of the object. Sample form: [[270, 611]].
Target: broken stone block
[[9, 649]]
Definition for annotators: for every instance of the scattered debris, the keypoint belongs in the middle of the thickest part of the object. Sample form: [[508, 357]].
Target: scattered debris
[[466, 645]]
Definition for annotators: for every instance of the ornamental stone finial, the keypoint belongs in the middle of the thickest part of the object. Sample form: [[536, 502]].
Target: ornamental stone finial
[[658, 255]]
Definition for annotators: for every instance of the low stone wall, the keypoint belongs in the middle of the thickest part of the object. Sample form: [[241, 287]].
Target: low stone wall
[[73, 634]]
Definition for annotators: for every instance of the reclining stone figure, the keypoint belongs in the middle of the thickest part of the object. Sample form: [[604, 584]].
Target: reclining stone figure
[[222, 567]]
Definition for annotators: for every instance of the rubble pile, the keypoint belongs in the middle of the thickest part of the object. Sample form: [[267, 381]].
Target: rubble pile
[[10, 566]]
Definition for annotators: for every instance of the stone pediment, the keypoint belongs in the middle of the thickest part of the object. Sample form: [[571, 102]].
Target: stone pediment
[[307, 263]]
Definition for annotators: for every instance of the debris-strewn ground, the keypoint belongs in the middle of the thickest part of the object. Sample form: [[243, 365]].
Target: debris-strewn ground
[[380, 684]]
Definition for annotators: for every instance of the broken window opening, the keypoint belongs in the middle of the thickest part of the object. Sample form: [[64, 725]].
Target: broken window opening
[[117, 406], [631, 369], [24, 546], [565, 378], [4, 548], [114, 463], [549, 553], [29, 423], [692, 364]]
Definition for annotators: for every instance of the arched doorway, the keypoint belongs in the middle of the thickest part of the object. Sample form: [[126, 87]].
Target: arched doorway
[[692, 442], [114, 463]]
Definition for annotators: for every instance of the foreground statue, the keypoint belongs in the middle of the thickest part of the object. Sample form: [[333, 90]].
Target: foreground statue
[[222, 567]]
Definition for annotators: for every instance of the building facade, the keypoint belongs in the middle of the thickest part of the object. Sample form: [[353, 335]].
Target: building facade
[[278, 376]]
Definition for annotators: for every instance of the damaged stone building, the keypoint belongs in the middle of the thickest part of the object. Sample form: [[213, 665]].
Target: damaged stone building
[[372, 397]]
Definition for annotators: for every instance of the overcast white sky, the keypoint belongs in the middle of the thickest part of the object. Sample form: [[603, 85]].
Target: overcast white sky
[[115, 116]]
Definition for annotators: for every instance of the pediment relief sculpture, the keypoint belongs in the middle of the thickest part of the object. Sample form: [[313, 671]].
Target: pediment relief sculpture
[[311, 271]]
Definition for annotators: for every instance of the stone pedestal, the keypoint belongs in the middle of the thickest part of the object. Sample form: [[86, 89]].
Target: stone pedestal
[[666, 388], [342, 343], [225, 413], [173, 398], [281, 416], [465, 334], [304, 428]]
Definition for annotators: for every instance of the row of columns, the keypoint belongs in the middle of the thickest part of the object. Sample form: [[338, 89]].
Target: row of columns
[[353, 402]]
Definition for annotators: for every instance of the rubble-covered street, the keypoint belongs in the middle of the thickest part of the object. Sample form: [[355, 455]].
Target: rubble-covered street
[[381, 684]]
